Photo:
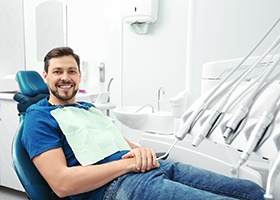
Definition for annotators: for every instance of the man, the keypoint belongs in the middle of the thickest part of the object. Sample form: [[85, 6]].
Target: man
[[66, 141]]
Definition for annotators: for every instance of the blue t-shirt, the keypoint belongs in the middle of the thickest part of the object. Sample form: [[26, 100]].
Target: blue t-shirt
[[41, 133]]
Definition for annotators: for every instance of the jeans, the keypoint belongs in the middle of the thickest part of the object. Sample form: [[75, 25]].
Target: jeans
[[180, 181]]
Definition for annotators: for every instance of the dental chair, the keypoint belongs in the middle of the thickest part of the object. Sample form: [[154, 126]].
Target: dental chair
[[32, 89]]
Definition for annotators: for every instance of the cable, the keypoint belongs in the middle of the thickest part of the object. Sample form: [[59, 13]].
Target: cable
[[168, 151]]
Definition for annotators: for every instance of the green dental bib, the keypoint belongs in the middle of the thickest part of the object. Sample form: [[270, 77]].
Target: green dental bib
[[91, 135]]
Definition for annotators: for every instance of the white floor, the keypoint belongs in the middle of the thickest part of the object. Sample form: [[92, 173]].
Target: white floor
[[9, 194]]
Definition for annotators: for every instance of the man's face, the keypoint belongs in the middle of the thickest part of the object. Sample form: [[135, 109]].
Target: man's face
[[63, 80]]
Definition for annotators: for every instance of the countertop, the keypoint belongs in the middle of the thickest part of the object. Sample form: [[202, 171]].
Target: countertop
[[7, 95]]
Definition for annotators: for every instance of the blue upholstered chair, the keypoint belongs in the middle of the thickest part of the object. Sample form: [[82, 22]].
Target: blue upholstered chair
[[32, 89]]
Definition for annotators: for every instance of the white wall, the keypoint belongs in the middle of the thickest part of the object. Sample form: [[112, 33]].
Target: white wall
[[12, 56]]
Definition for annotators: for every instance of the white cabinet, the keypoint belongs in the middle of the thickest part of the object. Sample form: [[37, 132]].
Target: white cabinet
[[9, 122]]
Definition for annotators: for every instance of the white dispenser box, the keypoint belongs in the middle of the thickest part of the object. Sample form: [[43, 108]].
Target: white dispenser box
[[141, 11]]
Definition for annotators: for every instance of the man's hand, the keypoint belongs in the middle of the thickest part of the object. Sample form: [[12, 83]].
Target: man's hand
[[144, 158]]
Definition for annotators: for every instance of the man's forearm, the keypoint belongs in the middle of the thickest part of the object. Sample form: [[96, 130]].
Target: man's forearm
[[83, 179]]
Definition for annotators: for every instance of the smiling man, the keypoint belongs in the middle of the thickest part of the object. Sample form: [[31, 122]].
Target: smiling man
[[82, 155], [64, 78]]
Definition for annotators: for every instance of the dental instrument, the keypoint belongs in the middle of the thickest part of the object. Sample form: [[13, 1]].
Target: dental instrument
[[259, 130], [240, 119], [242, 110], [273, 172], [189, 120], [209, 123], [188, 124], [213, 119], [197, 113], [241, 122]]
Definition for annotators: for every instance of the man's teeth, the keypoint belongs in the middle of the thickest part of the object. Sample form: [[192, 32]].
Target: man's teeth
[[65, 86]]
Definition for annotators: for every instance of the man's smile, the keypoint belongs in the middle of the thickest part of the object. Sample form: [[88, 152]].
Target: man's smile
[[65, 86]]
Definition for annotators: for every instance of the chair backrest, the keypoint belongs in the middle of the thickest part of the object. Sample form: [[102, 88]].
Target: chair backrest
[[32, 89]]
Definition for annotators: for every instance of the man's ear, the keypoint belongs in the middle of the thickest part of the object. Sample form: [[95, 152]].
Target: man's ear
[[44, 75]]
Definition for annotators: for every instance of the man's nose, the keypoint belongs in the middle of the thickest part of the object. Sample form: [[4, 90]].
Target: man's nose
[[65, 76]]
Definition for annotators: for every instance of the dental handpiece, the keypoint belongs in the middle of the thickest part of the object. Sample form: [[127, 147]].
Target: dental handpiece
[[211, 120], [206, 127], [187, 126], [199, 110], [237, 117], [259, 130], [257, 133]]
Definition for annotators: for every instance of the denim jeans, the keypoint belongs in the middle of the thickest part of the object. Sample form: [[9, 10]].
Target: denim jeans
[[180, 181]]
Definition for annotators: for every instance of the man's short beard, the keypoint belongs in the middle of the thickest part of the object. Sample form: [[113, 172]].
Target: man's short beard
[[56, 94]]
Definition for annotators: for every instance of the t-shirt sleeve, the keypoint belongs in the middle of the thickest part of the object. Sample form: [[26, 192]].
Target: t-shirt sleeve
[[40, 133]]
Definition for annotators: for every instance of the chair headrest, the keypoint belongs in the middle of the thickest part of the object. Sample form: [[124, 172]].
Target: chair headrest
[[31, 83]]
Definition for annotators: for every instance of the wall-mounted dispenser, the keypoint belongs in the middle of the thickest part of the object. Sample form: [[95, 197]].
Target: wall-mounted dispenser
[[140, 13], [101, 68]]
